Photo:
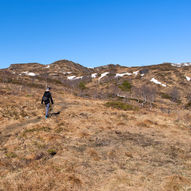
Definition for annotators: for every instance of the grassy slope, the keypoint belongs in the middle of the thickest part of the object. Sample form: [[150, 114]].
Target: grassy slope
[[97, 148]]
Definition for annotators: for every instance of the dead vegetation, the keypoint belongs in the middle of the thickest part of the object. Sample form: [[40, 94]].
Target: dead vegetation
[[89, 146]]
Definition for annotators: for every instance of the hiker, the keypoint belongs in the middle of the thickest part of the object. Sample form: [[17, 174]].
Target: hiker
[[46, 99]]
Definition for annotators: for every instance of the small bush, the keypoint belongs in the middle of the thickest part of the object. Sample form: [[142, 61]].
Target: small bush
[[166, 96], [59, 130], [120, 105], [125, 86], [172, 97], [82, 86], [11, 155], [52, 152], [175, 95], [188, 105]]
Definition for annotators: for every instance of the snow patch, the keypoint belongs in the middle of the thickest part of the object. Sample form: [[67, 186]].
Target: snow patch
[[94, 75], [29, 73], [74, 77], [181, 64], [103, 75], [47, 66], [71, 77], [123, 74], [157, 82], [136, 72], [67, 72], [188, 78], [77, 78]]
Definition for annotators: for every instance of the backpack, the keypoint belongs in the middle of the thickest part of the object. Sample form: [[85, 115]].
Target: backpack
[[45, 98]]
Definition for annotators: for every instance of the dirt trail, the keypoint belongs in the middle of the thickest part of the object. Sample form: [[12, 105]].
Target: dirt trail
[[8, 130]]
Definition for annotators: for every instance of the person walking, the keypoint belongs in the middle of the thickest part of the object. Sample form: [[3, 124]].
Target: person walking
[[47, 97]]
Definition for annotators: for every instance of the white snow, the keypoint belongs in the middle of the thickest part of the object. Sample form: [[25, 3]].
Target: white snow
[[181, 64], [47, 66], [29, 73], [176, 65], [157, 82], [78, 77], [123, 74], [71, 77], [94, 75], [25, 72], [188, 78], [103, 75], [122, 96], [74, 77], [136, 72], [67, 72]]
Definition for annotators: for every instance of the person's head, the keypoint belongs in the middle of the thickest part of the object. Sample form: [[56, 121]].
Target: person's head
[[48, 89]]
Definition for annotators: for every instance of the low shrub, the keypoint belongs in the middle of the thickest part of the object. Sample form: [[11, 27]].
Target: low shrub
[[125, 86], [166, 96], [120, 105], [46, 129], [59, 130], [11, 155], [52, 152], [188, 105], [82, 86]]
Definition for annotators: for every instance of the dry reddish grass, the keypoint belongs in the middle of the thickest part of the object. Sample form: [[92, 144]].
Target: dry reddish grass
[[91, 147]]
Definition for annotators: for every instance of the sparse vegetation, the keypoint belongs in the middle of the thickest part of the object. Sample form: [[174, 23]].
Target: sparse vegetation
[[59, 130], [11, 155], [52, 152], [94, 144], [120, 105], [46, 129], [188, 105], [125, 86], [175, 95], [165, 96], [82, 86]]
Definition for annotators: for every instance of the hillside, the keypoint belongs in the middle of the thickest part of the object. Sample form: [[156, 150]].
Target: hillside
[[112, 128]]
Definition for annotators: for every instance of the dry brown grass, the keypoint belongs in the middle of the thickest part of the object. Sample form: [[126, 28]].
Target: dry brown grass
[[92, 147]]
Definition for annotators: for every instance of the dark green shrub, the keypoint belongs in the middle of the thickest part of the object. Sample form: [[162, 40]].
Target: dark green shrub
[[52, 152], [120, 105], [82, 86], [125, 86], [166, 96]]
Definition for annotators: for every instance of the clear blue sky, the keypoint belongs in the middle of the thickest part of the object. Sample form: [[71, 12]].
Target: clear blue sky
[[95, 32]]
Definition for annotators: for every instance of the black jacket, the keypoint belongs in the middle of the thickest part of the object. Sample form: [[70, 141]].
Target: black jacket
[[49, 98]]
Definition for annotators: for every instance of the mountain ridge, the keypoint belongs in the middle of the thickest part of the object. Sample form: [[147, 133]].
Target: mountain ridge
[[114, 128]]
